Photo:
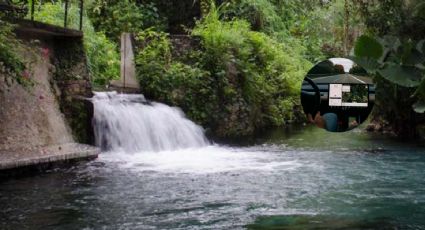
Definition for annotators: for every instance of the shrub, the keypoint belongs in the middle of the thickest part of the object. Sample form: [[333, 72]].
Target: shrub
[[172, 81], [114, 17], [294, 22], [253, 67], [8, 49], [241, 80]]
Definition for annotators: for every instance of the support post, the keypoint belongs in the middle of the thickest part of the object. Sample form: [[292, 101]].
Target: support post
[[32, 9], [81, 14], [124, 37], [65, 23], [128, 80]]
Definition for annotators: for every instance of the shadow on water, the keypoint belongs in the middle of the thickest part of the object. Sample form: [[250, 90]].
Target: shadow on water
[[309, 137], [298, 222]]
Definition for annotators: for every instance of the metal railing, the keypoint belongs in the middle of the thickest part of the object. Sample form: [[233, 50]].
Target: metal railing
[[19, 8]]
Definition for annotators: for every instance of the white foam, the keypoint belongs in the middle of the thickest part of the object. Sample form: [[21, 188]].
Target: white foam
[[129, 123], [155, 137], [210, 159]]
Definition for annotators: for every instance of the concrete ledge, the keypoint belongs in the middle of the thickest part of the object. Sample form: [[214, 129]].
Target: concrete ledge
[[12, 159], [127, 90], [26, 27]]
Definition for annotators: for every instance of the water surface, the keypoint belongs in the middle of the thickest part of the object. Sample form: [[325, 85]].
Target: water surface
[[309, 178]]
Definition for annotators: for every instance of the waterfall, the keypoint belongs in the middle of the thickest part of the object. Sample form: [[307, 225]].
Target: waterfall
[[129, 123]]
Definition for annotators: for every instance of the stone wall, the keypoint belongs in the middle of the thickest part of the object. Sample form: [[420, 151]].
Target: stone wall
[[29, 110], [184, 44], [73, 80], [181, 45], [53, 107]]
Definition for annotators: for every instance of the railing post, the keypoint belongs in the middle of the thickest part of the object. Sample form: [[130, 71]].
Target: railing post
[[65, 23], [32, 9], [81, 14]]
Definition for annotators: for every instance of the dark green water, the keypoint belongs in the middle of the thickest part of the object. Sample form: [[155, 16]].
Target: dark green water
[[289, 180]]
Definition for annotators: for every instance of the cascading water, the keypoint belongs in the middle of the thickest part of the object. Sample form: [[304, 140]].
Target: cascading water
[[129, 123], [152, 136]]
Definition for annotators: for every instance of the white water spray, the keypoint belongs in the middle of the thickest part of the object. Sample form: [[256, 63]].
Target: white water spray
[[151, 136], [129, 123]]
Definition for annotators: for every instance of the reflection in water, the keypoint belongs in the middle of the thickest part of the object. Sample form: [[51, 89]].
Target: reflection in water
[[317, 222], [307, 178]]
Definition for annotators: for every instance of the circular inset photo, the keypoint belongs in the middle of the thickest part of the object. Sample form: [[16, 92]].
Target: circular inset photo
[[337, 95]]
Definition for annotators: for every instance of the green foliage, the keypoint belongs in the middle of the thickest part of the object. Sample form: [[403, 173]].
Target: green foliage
[[256, 55], [261, 14], [103, 58], [402, 63], [102, 54], [242, 80], [302, 24], [368, 48], [114, 17], [172, 81], [177, 16], [400, 27], [381, 17], [263, 72], [8, 49], [11, 62], [401, 75]]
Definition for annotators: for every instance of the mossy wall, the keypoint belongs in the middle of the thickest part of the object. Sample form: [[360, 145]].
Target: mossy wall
[[73, 80]]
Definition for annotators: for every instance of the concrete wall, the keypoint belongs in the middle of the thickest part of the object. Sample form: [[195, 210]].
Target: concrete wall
[[49, 109], [29, 114]]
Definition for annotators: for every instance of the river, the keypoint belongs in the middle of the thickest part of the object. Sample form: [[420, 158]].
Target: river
[[297, 178]]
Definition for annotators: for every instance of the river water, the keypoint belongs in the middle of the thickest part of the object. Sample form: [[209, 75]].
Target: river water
[[298, 178]]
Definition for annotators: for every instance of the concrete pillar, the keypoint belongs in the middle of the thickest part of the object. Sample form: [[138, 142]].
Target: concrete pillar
[[128, 69]]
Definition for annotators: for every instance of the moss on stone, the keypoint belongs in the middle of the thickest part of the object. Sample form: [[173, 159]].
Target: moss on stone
[[73, 79]]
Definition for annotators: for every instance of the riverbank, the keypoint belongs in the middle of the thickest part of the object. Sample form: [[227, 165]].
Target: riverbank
[[20, 161]]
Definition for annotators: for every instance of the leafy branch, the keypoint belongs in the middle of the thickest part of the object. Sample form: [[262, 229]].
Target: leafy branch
[[401, 62]]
